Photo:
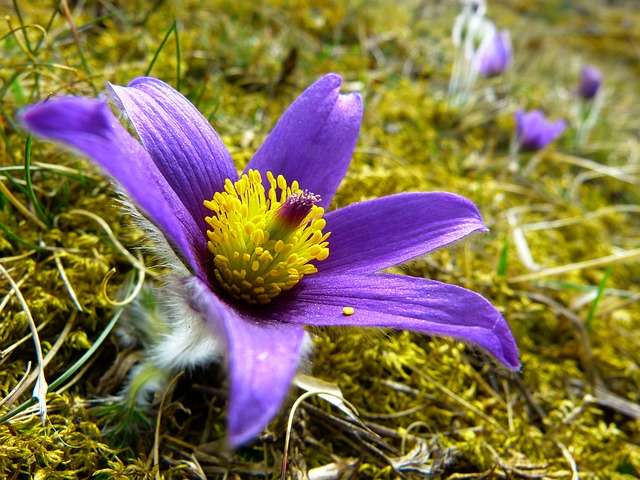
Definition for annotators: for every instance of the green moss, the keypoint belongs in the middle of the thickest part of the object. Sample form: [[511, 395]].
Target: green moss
[[404, 385]]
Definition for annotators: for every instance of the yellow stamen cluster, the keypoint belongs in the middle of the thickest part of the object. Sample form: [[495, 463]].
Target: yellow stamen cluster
[[257, 253]]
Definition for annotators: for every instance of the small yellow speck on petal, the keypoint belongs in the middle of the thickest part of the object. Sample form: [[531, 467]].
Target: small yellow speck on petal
[[348, 311]]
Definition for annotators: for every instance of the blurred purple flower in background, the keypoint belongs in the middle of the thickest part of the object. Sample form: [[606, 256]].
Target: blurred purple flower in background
[[590, 82], [534, 131], [494, 55], [258, 260]]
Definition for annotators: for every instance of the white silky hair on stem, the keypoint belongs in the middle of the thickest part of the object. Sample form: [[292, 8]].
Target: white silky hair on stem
[[183, 340], [471, 30], [186, 342]]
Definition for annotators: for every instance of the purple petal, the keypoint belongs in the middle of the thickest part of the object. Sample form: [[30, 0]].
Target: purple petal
[[554, 130], [534, 131], [401, 302], [314, 139], [528, 127], [262, 360], [186, 149], [372, 235], [89, 126]]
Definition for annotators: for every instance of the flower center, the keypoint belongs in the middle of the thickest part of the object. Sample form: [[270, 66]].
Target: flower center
[[263, 241]]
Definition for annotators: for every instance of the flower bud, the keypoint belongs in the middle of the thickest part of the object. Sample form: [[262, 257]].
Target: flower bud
[[590, 82], [494, 55]]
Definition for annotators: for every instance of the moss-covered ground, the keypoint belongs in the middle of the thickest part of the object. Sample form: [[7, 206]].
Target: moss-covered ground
[[431, 407]]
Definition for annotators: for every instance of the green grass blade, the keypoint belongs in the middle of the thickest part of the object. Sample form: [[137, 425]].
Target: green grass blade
[[160, 47], [16, 8], [177, 37], [54, 13], [503, 261], [27, 175], [16, 238], [594, 306], [18, 92]]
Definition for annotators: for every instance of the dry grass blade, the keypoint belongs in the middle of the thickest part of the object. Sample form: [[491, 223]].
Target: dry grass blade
[[519, 238], [156, 438], [11, 293], [626, 256], [107, 229], [40, 390], [605, 170], [47, 358], [16, 258], [4, 354], [460, 400], [76, 37], [18, 388], [565, 222], [342, 403], [12, 31], [329, 392], [572, 463], [132, 296], [67, 283], [335, 470], [20, 207]]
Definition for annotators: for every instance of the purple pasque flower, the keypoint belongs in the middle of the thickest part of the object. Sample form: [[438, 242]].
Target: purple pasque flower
[[258, 273], [534, 131], [494, 55], [590, 82]]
